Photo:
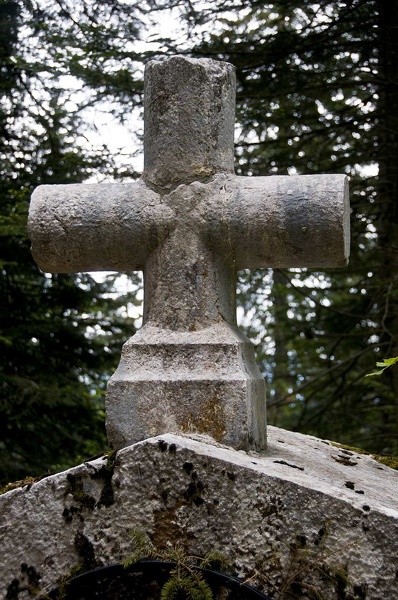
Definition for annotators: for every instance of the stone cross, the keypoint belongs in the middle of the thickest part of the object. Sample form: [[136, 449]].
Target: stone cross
[[189, 224]]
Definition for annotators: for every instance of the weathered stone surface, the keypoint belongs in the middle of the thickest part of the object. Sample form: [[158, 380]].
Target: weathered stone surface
[[205, 381], [301, 513], [190, 224], [96, 227], [189, 120], [273, 221], [251, 221]]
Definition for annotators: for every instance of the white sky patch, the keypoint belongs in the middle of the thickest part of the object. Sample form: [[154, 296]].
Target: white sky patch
[[124, 139]]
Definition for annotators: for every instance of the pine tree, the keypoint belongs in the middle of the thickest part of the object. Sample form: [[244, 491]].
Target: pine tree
[[60, 335]]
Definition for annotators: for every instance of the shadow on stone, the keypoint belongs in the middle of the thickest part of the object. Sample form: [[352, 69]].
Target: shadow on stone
[[144, 581]]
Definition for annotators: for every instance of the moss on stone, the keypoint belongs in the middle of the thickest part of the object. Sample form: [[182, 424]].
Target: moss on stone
[[353, 449], [106, 474], [384, 459], [78, 493], [27, 482], [210, 419], [388, 461]]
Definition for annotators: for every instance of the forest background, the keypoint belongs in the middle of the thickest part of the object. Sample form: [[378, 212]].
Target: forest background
[[317, 93]]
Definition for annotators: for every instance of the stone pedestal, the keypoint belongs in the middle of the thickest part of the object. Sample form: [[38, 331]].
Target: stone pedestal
[[201, 381]]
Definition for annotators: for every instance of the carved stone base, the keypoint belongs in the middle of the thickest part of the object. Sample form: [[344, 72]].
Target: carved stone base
[[187, 382]]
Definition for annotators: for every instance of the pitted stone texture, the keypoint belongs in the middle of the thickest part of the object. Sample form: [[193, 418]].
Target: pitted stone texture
[[204, 381], [189, 120], [190, 224], [303, 509], [190, 243], [255, 221], [96, 227]]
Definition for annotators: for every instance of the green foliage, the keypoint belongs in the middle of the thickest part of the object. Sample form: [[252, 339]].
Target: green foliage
[[309, 569], [60, 335], [142, 548], [190, 586], [186, 580], [304, 563], [385, 364]]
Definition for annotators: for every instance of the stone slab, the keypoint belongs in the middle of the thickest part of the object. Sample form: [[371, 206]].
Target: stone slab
[[304, 516]]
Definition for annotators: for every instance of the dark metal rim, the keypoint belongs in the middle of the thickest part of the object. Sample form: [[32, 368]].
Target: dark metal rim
[[210, 576]]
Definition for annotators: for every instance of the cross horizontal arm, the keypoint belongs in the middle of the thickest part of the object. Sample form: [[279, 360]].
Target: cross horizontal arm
[[278, 221], [96, 227], [290, 221]]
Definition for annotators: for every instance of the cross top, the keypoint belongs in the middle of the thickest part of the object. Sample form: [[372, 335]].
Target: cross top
[[190, 223], [189, 109]]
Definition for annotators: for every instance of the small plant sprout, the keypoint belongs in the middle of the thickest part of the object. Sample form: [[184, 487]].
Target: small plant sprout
[[384, 364]]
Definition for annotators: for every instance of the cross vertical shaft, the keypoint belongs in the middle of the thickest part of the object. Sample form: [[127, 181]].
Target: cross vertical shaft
[[188, 136], [189, 298]]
